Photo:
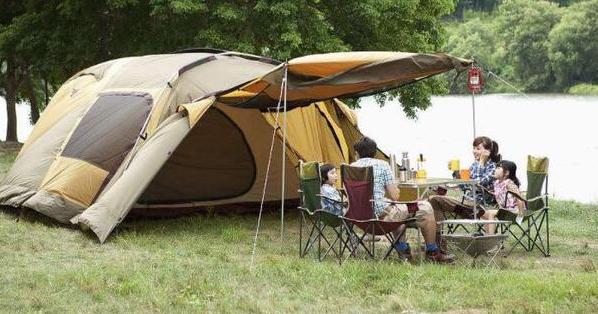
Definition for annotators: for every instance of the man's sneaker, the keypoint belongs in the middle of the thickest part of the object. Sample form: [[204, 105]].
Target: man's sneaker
[[439, 257], [404, 254]]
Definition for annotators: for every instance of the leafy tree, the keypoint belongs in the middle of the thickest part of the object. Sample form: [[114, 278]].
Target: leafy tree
[[573, 45], [44, 42], [523, 27], [477, 39]]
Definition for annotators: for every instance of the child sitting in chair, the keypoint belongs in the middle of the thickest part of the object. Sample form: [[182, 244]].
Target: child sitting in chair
[[505, 176], [331, 197]]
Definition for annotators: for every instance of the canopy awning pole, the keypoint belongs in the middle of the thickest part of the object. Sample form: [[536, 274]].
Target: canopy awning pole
[[284, 149], [473, 110], [274, 130]]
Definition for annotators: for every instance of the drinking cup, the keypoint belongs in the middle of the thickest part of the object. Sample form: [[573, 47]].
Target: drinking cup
[[454, 165], [465, 174]]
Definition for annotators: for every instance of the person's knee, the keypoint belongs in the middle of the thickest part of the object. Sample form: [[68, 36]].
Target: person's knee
[[425, 208]]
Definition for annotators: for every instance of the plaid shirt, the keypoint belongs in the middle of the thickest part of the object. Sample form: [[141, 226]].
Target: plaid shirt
[[331, 199], [485, 174], [382, 178]]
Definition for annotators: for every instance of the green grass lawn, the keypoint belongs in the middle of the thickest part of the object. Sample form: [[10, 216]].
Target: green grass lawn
[[201, 263]]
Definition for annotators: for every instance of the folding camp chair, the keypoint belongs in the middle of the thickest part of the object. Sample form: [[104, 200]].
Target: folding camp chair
[[529, 232], [319, 221], [359, 186]]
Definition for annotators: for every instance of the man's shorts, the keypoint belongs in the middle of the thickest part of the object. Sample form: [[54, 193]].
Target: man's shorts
[[397, 212]]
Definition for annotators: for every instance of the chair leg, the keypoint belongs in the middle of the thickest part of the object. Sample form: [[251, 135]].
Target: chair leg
[[538, 241], [301, 217], [373, 242], [419, 243], [319, 242], [360, 241], [529, 238], [310, 241], [547, 234], [393, 241], [519, 239]]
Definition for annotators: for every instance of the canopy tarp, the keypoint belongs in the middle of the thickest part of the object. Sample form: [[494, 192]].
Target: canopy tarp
[[343, 74]]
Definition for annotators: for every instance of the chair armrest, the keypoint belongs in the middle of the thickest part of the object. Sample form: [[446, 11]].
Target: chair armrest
[[485, 191], [399, 202], [332, 200], [519, 197], [537, 197]]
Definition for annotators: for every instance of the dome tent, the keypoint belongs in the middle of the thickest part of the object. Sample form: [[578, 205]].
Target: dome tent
[[183, 130]]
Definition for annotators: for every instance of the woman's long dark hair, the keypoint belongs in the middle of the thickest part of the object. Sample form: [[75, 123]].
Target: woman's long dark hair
[[490, 145], [511, 167]]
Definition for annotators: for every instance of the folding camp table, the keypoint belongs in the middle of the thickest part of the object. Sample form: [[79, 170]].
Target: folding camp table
[[424, 186], [473, 244]]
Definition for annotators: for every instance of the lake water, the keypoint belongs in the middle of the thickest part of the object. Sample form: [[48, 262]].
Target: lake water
[[562, 127]]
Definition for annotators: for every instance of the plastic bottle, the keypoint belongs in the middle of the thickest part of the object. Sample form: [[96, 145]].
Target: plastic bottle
[[402, 174], [405, 164], [421, 168]]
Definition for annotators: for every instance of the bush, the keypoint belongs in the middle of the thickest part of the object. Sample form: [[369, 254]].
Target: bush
[[573, 45], [584, 89]]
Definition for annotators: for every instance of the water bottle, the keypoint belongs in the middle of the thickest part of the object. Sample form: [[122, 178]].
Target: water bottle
[[405, 164], [402, 174]]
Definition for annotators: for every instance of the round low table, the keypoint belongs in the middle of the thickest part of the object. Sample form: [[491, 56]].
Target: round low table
[[472, 242]]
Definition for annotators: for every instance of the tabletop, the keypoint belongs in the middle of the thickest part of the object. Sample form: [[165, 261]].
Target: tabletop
[[431, 182]]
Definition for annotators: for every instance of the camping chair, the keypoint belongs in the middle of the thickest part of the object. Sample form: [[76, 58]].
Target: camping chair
[[359, 186], [317, 219], [529, 232]]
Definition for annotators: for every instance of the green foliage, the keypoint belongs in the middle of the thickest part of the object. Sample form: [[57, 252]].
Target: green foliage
[[522, 26], [573, 45], [475, 39], [56, 38], [537, 46], [584, 89]]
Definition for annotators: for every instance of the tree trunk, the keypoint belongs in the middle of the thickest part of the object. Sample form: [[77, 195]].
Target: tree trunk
[[11, 101], [30, 91]]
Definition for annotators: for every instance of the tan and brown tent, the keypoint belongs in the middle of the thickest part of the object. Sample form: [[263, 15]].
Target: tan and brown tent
[[172, 131]]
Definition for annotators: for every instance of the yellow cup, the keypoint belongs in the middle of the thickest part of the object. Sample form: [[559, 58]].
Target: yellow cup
[[454, 165], [465, 174]]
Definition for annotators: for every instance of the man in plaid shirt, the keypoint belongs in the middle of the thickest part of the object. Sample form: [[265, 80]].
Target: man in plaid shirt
[[384, 184]]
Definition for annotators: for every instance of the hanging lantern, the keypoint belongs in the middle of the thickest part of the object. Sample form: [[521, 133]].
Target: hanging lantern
[[475, 80]]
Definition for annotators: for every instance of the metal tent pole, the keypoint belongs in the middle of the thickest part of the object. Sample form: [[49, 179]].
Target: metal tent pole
[[473, 110], [274, 130], [284, 150]]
